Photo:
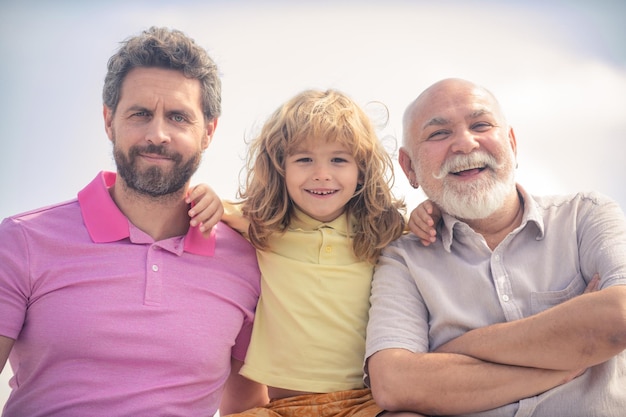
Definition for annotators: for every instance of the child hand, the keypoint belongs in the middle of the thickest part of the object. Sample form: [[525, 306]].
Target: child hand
[[207, 208], [422, 221]]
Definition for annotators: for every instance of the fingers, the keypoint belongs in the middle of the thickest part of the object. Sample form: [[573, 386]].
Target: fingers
[[206, 210], [422, 224], [427, 205], [426, 236], [195, 194], [593, 284], [207, 218]]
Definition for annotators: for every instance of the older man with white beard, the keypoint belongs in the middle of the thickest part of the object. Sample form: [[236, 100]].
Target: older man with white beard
[[519, 309]]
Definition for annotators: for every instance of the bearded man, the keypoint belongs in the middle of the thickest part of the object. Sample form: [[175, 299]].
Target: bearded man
[[519, 307], [112, 304]]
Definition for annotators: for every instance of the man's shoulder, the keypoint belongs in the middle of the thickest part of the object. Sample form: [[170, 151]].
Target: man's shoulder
[[234, 253], [576, 204], [406, 241], [44, 224], [229, 237], [581, 197], [42, 214]]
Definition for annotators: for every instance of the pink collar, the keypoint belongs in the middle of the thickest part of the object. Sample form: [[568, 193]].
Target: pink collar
[[106, 223]]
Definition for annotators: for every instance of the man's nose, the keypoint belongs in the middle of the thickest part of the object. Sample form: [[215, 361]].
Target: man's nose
[[157, 131], [464, 141]]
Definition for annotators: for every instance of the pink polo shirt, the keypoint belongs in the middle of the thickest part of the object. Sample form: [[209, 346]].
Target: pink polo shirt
[[109, 322]]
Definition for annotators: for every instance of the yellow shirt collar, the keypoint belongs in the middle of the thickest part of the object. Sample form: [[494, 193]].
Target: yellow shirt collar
[[304, 222]]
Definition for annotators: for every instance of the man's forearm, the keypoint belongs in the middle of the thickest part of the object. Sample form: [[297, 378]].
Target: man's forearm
[[579, 333], [442, 384]]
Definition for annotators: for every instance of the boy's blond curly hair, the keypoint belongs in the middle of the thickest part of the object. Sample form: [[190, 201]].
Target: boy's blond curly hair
[[321, 116]]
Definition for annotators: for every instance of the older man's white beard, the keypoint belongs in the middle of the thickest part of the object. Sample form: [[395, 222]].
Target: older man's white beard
[[478, 199]]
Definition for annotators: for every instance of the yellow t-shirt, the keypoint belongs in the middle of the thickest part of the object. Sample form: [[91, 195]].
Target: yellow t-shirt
[[309, 329]]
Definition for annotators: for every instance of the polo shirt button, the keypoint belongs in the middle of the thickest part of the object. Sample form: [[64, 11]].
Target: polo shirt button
[[155, 268], [329, 249], [505, 297]]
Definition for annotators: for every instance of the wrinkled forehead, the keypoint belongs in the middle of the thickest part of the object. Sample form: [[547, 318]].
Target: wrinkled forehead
[[453, 103], [448, 102]]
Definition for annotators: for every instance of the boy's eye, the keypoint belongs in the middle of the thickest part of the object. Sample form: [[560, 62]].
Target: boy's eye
[[338, 160], [304, 159]]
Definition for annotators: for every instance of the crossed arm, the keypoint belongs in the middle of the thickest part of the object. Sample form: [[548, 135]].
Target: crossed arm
[[577, 334], [448, 383], [503, 363]]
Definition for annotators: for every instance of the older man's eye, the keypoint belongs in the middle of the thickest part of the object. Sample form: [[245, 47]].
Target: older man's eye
[[482, 126], [438, 135]]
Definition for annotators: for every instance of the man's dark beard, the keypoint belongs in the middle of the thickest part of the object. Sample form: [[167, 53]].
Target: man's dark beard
[[153, 181]]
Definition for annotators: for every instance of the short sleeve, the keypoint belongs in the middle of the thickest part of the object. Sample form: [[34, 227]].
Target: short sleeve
[[14, 278]]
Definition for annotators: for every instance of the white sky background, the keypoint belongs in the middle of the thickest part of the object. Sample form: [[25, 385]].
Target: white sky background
[[558, 68]]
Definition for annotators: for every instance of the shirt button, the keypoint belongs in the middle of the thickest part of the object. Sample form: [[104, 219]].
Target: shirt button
[[155, 268], [505, 297], [329, 249]]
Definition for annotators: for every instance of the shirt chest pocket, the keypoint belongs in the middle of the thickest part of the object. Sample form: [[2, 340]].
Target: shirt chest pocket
[[540, 301]]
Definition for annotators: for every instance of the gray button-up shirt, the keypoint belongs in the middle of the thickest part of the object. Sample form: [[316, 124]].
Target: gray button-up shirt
[[422, 297]]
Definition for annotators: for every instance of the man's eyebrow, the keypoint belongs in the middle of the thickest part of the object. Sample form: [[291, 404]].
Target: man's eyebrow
[[184, 112], [441, 121], [436, 121], [479, 113], [136, 107]]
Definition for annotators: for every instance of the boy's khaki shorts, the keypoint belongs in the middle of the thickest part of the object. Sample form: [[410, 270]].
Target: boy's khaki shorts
[[352, 403]]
